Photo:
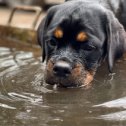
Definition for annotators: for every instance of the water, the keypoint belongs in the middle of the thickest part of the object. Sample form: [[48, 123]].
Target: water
[[26, 101]]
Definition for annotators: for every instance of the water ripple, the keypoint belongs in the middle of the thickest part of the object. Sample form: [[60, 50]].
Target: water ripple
[[6, 106], [118, 103], [118, 116], [27, 97]]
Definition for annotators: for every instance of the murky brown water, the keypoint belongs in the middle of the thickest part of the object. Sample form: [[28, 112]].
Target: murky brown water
[[24, 101]]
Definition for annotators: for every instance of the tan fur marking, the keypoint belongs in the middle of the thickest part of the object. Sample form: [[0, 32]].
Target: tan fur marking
[[76, 71], [58, 33], [82, 36], [89, 78], [50, 65]]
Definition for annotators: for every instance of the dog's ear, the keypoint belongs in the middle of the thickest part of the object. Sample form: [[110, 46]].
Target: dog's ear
[[42, 30], [116, 39]]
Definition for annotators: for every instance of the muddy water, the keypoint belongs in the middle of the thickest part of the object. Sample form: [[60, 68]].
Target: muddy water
[[26, 101]]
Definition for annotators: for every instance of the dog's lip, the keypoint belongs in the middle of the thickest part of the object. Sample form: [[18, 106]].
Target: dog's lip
[[70, 85], [67, 85]]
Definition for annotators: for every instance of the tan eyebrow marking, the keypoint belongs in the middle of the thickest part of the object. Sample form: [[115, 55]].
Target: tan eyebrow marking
[[58, 33], [82, 36]]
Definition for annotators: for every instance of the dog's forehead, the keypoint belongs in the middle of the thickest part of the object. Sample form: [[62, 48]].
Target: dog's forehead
[[78, 14], [81, 8], [73, 18], [74, 24]]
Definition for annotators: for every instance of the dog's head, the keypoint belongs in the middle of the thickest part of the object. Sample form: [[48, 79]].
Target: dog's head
[[75, 38]]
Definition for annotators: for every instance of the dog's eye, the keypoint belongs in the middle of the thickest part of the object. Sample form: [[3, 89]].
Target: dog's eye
[[52, 43], [89, 48]]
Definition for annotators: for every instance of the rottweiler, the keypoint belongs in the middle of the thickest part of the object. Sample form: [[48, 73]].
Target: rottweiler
[[77, 36]]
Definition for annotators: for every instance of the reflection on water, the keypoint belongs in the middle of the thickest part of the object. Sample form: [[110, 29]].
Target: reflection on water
[[117, 116], [26, 100]]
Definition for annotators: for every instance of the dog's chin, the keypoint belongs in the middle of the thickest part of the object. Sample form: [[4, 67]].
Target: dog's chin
[[84, 82], [63, 85]]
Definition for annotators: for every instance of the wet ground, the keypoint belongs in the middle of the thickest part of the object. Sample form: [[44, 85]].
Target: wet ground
[[26, 101]]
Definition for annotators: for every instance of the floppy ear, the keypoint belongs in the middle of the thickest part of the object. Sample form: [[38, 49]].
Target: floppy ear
[[116, 39], [42, 30]]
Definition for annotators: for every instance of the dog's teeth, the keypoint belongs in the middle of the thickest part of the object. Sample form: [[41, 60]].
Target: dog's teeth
[[55, 87]]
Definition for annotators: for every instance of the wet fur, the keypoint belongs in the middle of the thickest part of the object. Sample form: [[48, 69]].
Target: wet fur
[[104, 23]]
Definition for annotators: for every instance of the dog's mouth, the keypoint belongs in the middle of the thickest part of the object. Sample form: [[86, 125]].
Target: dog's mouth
[[61, 83], [76, 78], [70, 83]]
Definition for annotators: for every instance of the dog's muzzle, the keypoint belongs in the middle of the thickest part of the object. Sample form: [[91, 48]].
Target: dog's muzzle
[[67, 74]]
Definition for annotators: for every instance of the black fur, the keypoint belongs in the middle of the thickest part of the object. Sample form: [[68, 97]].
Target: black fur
[[100, 19]]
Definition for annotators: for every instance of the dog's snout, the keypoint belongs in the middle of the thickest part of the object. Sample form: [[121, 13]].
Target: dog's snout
[[62, 69]]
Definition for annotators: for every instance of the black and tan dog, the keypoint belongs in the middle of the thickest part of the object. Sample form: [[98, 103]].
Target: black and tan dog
[[77, 35]]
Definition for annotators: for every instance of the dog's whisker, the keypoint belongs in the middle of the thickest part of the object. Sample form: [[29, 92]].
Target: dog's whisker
[[98, 81]]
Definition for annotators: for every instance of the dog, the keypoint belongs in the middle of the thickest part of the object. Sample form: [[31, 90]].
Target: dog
[[77, 36]]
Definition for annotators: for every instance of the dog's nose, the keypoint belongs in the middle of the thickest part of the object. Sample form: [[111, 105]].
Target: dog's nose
[[62, 69]]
